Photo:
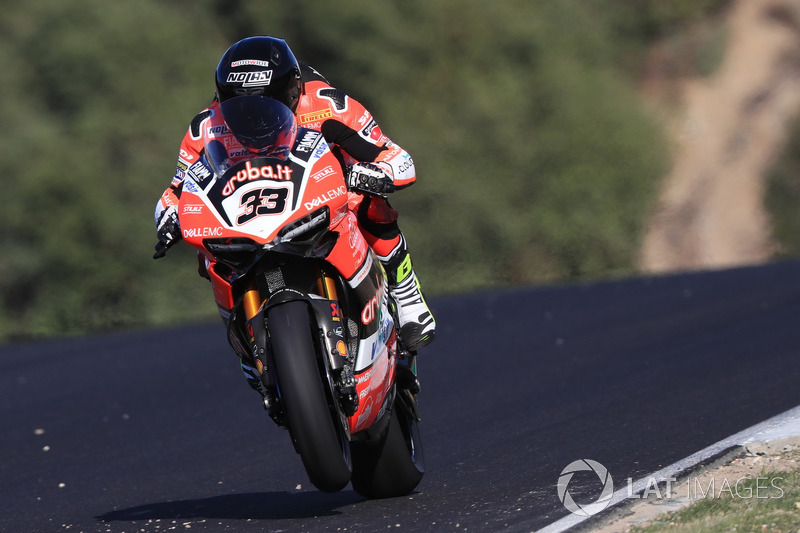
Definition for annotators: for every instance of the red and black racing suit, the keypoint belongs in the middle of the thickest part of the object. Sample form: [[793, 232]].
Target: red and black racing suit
[[353, 135]]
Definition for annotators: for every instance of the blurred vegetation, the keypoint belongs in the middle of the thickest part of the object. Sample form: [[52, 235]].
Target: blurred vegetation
[[535, 160], [783, 196]]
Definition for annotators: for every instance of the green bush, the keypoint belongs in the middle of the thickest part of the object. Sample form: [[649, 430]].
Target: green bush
[[535, 160], [783, 196]]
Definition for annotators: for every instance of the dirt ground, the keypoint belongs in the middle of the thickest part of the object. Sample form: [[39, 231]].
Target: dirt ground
[[757, 460], [727, 129]]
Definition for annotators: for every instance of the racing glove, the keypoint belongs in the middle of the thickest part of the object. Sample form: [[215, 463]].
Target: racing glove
[[169, 232], [369, 177]]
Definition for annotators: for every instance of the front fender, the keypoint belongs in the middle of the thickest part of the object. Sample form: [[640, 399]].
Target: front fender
[[328, 318]]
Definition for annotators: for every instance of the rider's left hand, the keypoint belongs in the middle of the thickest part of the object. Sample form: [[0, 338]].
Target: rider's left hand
[[369, 177]]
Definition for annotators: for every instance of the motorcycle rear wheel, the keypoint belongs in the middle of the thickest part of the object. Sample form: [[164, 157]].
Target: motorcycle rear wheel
[[394, 466], [309, 415]]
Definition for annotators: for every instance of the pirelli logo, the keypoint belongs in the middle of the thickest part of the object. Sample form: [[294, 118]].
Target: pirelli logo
[[314, 116]]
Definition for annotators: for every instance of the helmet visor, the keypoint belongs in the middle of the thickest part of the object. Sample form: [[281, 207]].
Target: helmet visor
[[260, 126]]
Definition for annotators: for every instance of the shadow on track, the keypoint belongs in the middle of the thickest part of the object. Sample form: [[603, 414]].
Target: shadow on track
[[252, 506]]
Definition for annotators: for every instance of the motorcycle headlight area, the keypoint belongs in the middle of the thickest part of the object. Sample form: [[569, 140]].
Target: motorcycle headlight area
[[308, 236], [237, 253]]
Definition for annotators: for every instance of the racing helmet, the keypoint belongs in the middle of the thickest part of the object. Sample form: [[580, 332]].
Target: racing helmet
[[263, 66]]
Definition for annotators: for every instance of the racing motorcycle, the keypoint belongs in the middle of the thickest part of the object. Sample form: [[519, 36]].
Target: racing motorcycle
[[305, 299]]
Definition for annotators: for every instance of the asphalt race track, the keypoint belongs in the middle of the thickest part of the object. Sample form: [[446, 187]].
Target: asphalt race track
[[157, 430]]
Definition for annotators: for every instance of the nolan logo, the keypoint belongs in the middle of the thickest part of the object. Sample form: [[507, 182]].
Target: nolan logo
[[251, 79]]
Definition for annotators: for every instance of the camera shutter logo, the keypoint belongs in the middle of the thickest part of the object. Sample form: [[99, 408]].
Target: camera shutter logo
[[565, 496]]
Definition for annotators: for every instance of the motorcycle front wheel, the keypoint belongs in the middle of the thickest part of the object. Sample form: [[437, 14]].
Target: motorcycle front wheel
[[309, 415], [394, 465]]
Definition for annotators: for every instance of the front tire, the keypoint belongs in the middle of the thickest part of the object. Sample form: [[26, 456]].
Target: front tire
[[302, 391], [394, 466]]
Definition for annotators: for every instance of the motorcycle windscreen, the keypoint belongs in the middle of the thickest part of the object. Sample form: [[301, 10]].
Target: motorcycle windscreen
[[246, 127]]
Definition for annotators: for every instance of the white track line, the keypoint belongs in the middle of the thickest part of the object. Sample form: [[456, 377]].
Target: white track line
[[784, 425]]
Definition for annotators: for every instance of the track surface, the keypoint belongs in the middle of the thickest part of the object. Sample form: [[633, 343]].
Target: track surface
[[157, 430]]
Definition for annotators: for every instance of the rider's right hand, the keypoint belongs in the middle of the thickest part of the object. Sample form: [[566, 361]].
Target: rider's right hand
[[169, 232]]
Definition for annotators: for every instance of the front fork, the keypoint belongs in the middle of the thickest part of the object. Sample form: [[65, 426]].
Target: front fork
[[331, 321], [255, 333], [342, 363]]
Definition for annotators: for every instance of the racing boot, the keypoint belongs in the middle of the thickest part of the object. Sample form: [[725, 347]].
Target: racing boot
[[417, 327]]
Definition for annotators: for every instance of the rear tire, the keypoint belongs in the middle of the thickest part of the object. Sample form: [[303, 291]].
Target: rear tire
[[302, 391], [394, 466]]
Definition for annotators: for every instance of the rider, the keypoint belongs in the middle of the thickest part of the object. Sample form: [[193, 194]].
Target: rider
[[266, 66]]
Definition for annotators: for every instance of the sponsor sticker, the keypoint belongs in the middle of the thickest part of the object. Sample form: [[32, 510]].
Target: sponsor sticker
[[192, 209], [325, 197], [251, 79], [199, 172], [277, 172], [250, 62], [219, 130], [322, 174], [306, 144], [202, 232], [372, 130], [314, 116], [370, 310]]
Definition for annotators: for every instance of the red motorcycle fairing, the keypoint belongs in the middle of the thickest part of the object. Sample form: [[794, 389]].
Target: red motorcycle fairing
[[305, 300], [267, 196], [377, 344], [260, 205]]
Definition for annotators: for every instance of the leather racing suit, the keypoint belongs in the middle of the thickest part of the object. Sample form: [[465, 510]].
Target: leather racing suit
[[354, 136]]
